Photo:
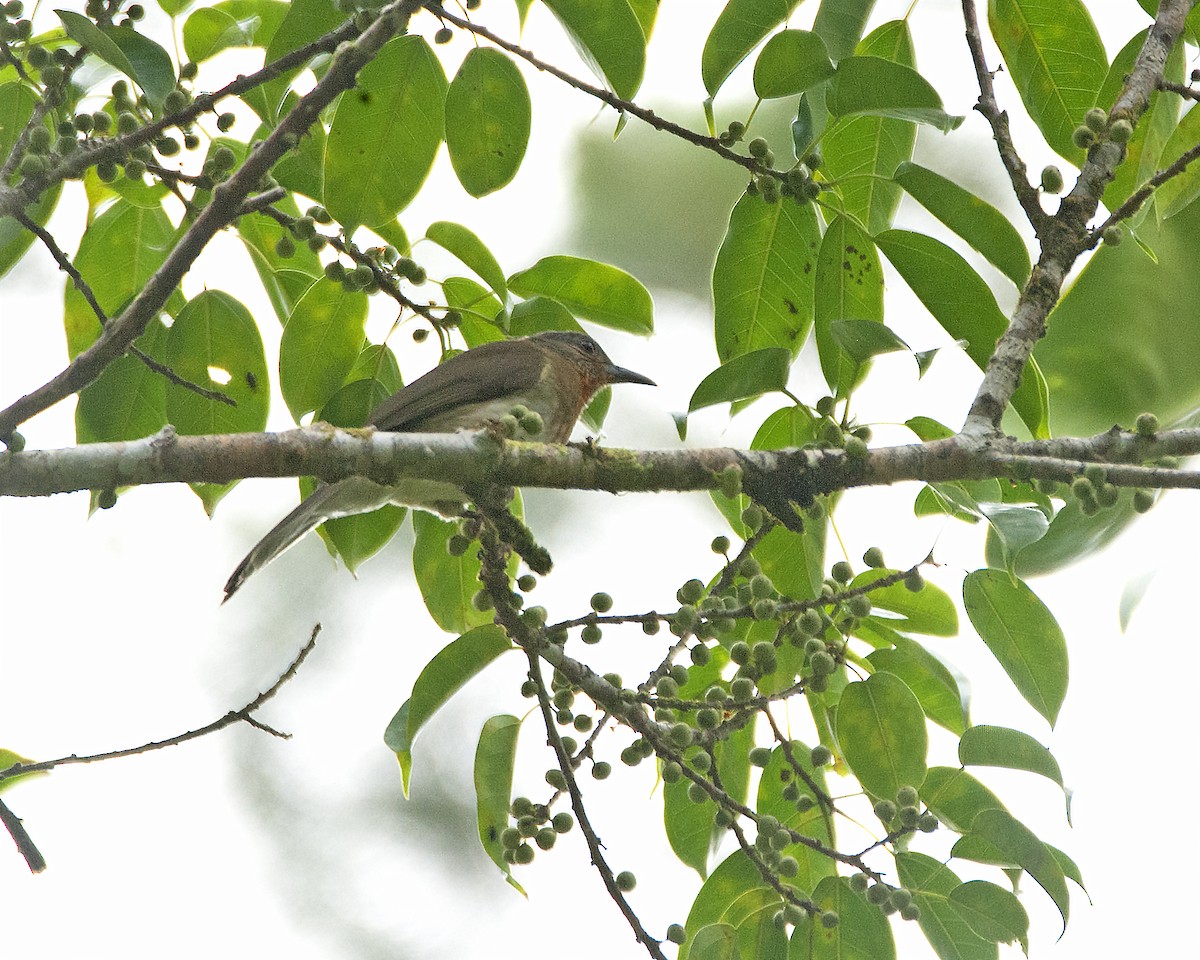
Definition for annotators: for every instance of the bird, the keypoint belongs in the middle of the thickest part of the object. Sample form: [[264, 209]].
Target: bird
[[552, 374]]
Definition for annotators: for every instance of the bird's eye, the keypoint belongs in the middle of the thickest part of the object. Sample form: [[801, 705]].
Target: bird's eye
[[589, 346]]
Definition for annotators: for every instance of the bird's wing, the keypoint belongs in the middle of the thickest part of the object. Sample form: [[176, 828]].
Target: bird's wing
[[487, 372]]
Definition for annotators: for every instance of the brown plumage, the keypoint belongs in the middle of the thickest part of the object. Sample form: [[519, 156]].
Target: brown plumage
[[554, 374]]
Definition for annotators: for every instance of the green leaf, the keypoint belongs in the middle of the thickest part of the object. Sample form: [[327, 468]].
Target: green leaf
[[931, 883], [840, 24], [881, 731], [231, 23], [215, 343], [447, 583], [864, 339], [128, 401], [320, 343], [747, 376], [306, 20], [990, 746], [470, 250], [1132, 596], [862, 934], [877, 87], [395, 736], [608, 37], [450, 670], [690, 827], [360, 536], [7, 759], [816, 823], [965, 307], [538, 314], [933, 684], [1057, 61], [385, 135], [1178, 193], [849, 286], [139, 58], [740, 28], [593, 291], [930, 610], [956, 798], [862, 152], [16, 107], [495, 758], [15, 240], [717, 941], [984, 227], [1020, 847], [1157, 368], [487, 121], [791, 62], [285, 279], [1022, 634], [1014, 527], [733, 878], [763, 279], [992, 912], [139, 239]]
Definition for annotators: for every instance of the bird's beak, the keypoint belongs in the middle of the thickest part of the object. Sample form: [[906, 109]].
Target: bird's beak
[[615, 374]]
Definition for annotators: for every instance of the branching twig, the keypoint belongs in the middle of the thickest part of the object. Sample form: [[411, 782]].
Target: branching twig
[[607, 96], [245, 715], [242, 715], [16, 829], [65, 265], [1065, 236], [997, 119]]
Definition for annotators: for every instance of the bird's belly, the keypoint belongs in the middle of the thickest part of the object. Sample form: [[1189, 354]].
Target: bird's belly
[[358, 495]]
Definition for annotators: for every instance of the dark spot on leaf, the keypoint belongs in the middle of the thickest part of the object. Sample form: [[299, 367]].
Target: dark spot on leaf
[[846, 265], [851, 248], [364, 97], [251, 380], [808, 267], [790, 304]]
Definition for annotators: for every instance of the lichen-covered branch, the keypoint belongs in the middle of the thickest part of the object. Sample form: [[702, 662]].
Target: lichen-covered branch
[[1065, 236], [1129, 459]]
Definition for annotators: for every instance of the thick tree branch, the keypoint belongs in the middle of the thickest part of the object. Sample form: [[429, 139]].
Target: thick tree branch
[[1066, 236], [481, 458]]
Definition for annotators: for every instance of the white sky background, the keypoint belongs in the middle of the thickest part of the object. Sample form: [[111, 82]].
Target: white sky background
[[240, 845]]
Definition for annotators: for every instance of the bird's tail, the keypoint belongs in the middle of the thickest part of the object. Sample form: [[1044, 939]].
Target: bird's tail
[[312, 511]]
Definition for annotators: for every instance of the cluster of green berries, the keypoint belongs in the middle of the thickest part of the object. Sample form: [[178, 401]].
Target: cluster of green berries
[[887, 898], [732, 134], [105, 12], [792, 915], [14, 27], [532, 822], [1093, 491], [520, 421], [833, 434], [904, 812], [1096, 126]]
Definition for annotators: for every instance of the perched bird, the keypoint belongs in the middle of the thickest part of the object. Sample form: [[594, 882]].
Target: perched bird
[[552, 374]]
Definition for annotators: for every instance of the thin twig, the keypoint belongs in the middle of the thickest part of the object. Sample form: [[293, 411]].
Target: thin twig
[[234, 716], [997, 119], [607, 96], [65, 265]]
